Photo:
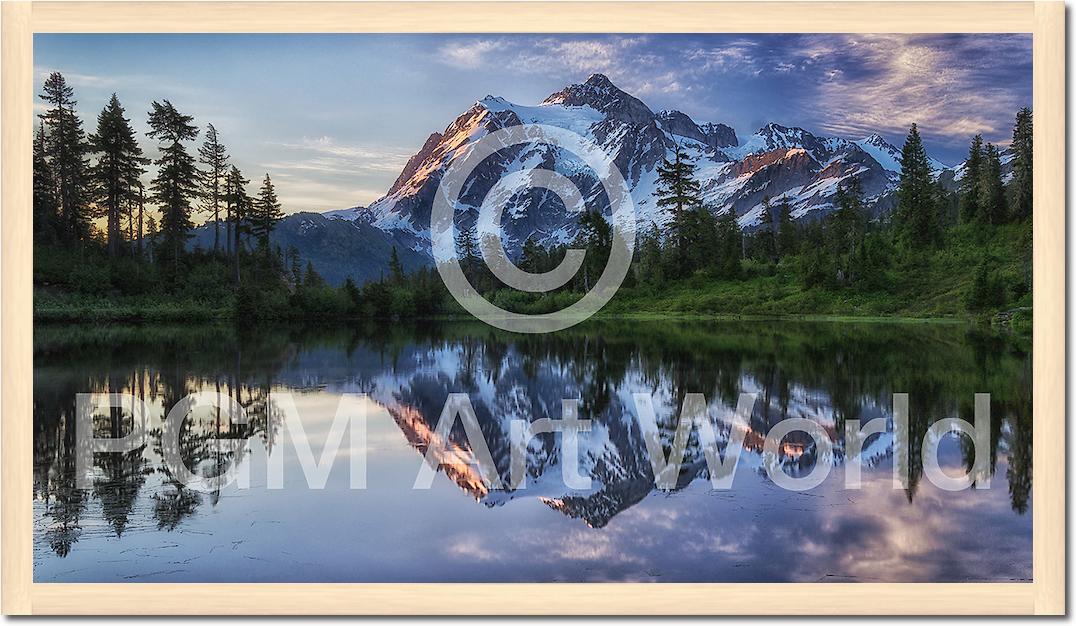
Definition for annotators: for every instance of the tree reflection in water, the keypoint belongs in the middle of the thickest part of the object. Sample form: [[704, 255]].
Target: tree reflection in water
[[829, 372]]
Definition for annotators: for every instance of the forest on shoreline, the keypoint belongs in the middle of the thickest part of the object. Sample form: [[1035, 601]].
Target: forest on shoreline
[[108, 247]]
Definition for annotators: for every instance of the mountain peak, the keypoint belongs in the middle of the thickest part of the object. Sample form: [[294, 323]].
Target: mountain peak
[[874, 139], [775, 128], [600, 94], [713, 135], [600, 81]]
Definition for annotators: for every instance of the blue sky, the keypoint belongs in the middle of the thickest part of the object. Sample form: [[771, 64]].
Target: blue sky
[[334, 118]]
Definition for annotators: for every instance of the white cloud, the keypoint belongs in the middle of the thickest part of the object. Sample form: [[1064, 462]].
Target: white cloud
[[315, 172], [77, 80], [469, 54], [326, 154]]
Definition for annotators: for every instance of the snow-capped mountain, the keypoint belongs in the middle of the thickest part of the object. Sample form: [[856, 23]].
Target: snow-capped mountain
[[508, 385], [354, 214], [888, 155], [775, 162], [951, 178]]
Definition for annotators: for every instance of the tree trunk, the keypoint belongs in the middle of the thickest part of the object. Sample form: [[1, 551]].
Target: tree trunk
[[141, 204], [216, 223], [114, 226], [235, 254]]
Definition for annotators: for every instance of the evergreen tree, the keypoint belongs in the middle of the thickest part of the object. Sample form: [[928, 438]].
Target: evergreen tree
[[986, 291], [991, 189], [65, 147], [766, 238], [678, 189], [377, 299], [353, 295], [649, 268], [596, 235], [267, 213], [787, 236], [816, 263], [140, 206], [45, 203], [396, 270], [151, 238], [118, 168], [295, 266], [845, 231], [703, 239], [531, 257], [214, 157], [969, 184], [729, 246], [872, 261], [1022, 169], [916, 212], [239, 208], [467, 246], [311, 279], [948, 203], [176, 181]]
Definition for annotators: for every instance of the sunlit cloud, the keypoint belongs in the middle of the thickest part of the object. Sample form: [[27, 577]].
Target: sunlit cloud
[[316, 173], [948, 90]]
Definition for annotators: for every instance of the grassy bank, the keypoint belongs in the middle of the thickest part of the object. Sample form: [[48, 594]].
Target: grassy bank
[[938, 284]]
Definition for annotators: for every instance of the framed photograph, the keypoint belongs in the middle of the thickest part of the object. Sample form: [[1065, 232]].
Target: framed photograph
[[595, 308]]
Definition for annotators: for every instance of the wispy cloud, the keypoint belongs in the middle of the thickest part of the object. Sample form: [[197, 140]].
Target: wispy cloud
[[947, 86], [77, 80], [469, 54], [319, 169], [628, 60], [335, 118], [326, 154], [951, 85], [737, 56]]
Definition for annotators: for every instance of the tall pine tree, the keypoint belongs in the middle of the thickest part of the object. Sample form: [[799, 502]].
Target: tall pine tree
[[214, 159], [1022, 169], [239, 209], [267, 214], [991, 189], [969, 185], [117, 171], [177, 179], [45, 204], [729, 245], [65, 148], [766, 237], [530, 259], [678, 190], [916, 212], [467, 246], [396, 270], [846, 230], [787, 234]]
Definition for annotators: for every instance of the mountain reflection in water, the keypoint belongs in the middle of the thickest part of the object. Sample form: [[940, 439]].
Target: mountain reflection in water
[[138, 523]]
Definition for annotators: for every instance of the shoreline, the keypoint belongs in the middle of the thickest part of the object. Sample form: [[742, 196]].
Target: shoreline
[[192, 316]]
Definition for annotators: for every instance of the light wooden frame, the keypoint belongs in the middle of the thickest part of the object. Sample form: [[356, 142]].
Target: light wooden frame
[[1046, 595]]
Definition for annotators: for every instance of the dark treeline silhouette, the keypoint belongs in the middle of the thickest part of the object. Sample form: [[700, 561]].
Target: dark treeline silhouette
[[139, 266]]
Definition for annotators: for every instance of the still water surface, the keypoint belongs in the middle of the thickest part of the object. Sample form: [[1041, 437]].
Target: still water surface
[[138, 524]]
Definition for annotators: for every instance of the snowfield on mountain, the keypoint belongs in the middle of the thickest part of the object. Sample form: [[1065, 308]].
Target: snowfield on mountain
[[776, 161]]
